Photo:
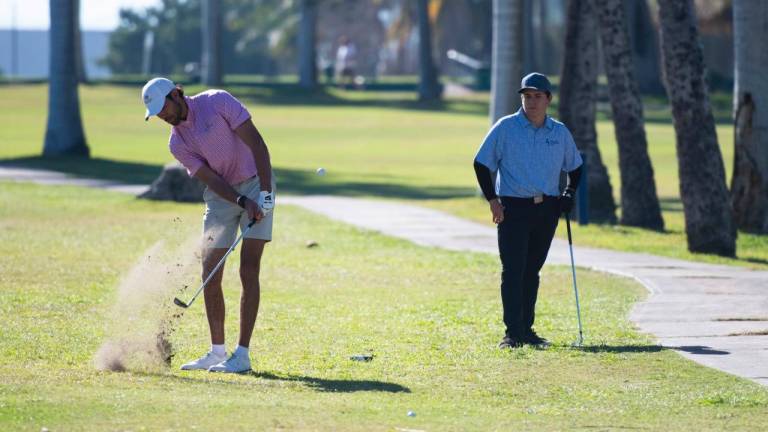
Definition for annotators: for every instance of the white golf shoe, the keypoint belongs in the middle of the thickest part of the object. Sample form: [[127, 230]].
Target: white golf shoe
[[204, 362], [236, 363]]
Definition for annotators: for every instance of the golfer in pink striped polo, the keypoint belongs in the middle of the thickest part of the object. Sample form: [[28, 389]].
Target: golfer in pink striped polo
[[214, 138]]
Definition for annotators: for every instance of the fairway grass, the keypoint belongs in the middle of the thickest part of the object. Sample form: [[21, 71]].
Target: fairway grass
[[431, 319], [381, 144]]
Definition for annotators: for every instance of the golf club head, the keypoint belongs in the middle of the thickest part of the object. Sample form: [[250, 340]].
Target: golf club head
[[180, 303], [579, 342]]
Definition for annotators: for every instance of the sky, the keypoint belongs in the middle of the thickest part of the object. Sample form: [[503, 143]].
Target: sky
[[94, 14]]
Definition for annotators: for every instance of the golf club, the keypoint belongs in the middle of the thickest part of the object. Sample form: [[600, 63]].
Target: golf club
[[177, 301], [573, 270]]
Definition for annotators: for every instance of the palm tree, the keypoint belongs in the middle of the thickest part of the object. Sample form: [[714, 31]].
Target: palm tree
[[211, 61], [706, 203], [64, 135], [639, 203], [506, 57], [429, 87], [307, 52], [578, 92], [749, 184], [82, 76], [643, 41]]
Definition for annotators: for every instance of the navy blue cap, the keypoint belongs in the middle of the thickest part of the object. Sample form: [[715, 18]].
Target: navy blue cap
[[535, 81]]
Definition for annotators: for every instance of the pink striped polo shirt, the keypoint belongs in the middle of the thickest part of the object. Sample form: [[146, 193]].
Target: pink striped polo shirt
[[208, 137]]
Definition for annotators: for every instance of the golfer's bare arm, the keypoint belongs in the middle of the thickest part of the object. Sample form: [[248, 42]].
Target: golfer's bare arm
[[252, 138]]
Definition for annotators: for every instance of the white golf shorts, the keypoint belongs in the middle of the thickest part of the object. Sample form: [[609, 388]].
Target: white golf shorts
[[222, 217]]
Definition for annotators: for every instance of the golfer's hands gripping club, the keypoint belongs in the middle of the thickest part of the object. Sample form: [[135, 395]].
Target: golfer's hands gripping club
[[566, 201], [253, 210], [497, 210]]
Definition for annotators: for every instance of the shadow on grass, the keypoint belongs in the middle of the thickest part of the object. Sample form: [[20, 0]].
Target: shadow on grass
[[102, 169], [622, 348], [754, 260], [693, 349], [334, 385], [319, 384], [290, 181]]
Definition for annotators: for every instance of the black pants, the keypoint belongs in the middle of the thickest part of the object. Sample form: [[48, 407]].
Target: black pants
[[524, 239]]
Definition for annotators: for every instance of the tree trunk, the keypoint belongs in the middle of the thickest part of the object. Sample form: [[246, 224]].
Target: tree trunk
[[64, 135], [578, 92], [639, 203], [429, 88], [706, 203], [529, 56], [644, 46], [82, 76], [307, 51], [749, 185], [506, 58], [211, 61]]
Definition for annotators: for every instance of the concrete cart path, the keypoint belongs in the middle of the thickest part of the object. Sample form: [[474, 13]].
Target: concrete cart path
[[713, 314]]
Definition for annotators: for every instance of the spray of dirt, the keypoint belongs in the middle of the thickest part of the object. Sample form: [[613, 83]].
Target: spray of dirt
[[144, 316]]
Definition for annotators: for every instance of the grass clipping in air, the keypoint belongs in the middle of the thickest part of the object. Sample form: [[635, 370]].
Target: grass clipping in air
[[144, 317]]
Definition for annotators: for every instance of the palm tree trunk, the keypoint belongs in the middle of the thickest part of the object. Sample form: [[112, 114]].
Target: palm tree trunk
[[749, 184], [211, 61], [529, 55], [82, 76], [64, 135], [307, 52], [644, 46], [506, 57], [639, 203], [429, 88], [706, 203], [578, 92]]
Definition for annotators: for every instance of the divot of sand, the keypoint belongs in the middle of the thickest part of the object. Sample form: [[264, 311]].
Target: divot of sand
[[144, 317]]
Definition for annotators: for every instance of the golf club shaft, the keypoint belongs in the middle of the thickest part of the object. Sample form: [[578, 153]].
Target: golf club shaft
[[573, 271], [221, 262]]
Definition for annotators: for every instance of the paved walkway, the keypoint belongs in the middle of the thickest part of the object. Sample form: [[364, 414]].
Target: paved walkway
[[715, 315]]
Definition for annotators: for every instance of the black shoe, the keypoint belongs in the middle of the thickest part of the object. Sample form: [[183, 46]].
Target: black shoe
[[531, 338], [510, 342]]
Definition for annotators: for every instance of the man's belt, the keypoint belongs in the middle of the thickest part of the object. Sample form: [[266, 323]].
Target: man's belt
[[536, 199]]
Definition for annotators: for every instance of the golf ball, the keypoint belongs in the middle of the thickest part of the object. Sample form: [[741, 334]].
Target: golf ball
[[411, 414], [321, 171]]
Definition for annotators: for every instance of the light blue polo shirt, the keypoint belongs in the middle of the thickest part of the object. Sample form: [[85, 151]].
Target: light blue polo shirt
[[527, 161]]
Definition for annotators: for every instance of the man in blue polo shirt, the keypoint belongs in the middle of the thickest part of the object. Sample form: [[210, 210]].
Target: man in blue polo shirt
[[518, 168]]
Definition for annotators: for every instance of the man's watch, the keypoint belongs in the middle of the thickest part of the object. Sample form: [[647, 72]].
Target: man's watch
[[241, 200]]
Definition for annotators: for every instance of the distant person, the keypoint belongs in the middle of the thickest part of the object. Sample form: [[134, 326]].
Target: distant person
[[214, 138], [518, 168], [346, 62]]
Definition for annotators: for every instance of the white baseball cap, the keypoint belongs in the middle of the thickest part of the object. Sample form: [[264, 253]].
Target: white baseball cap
[[153, 94]]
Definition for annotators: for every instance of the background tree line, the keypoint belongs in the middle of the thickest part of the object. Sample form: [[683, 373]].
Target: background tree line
[[598, 32]]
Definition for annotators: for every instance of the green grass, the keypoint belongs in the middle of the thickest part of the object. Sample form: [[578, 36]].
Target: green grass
[[382, 144], [432, 325]]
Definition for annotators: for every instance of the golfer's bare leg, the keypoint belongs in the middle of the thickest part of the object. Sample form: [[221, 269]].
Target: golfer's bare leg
[[214, 298], [250, 263]]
